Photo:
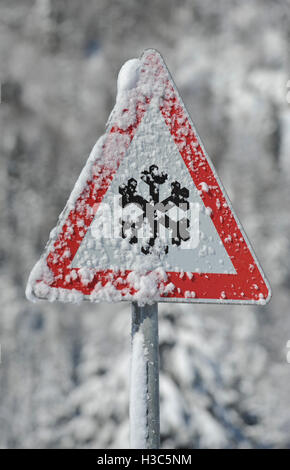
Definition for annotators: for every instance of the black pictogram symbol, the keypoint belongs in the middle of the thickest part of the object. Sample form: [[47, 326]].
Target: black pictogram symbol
[[153, 210]]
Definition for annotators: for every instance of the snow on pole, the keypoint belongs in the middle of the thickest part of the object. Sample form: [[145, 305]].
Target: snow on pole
[[144, 388]]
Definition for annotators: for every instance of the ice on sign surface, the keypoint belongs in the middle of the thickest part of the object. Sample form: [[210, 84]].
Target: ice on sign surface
[[148, 219]]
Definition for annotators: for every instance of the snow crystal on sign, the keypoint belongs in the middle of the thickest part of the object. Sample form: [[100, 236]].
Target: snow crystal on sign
[[190, 294], [40, 271], [262, 300], [208, 211], [128, 76], [85, 175], [204, 187], [147, 285], [86, 275], [106, 293]]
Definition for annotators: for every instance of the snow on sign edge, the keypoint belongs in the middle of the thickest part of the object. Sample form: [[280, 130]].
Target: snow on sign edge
[[138, 85]]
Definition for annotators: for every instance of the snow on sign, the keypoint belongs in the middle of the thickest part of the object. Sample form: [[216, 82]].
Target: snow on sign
[[148, 219]]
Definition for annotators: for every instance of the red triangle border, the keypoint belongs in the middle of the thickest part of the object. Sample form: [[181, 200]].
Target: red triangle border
[[249, 285]]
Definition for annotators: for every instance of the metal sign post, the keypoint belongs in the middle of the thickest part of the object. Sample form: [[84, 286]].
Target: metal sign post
[[144, 390]]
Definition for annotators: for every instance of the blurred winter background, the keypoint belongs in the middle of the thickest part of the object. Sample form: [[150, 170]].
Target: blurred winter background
[[64, 371]]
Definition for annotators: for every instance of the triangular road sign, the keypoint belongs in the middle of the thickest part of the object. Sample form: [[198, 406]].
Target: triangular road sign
[[148, 219]]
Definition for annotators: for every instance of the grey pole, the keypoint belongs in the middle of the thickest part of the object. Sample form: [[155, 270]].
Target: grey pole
[[145, 323]]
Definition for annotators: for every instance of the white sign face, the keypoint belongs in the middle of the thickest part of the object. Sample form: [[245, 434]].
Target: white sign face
[[149, 219], [202, 251]]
